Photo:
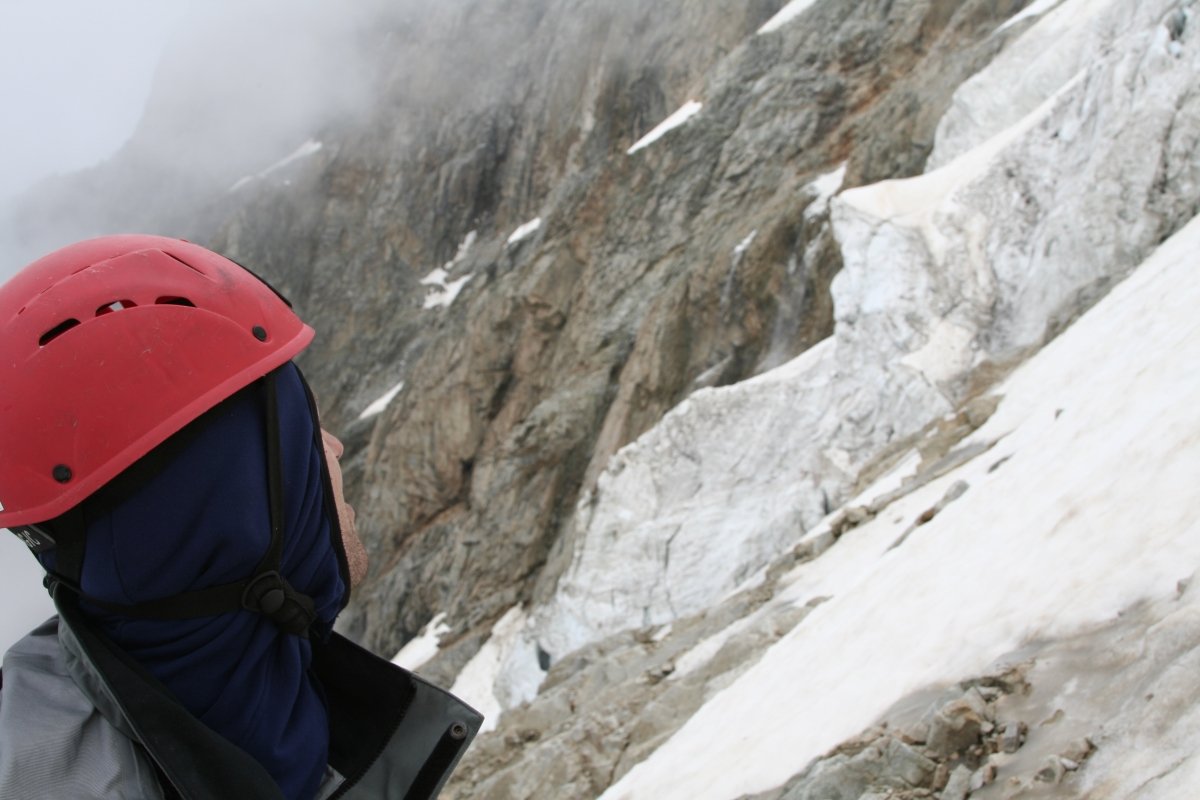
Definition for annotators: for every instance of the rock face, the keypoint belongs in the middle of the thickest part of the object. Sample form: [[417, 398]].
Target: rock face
[[786, 427]]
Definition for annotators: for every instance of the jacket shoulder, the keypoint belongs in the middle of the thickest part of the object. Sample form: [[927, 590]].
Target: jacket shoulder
[[53, 741]]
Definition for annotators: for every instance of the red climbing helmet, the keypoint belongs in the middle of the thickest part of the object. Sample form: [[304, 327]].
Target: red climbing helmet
[[111, 345]]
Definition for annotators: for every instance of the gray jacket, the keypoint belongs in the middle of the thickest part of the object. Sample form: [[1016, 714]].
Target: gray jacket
[[80, 719]]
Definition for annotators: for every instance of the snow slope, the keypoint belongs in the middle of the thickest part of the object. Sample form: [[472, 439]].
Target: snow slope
[[1095, 507]]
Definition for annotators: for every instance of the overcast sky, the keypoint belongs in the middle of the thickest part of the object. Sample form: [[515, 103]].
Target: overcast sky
[[74, 76]]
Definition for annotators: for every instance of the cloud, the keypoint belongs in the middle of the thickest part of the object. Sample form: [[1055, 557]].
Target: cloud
[[163, 111], [74, 78]]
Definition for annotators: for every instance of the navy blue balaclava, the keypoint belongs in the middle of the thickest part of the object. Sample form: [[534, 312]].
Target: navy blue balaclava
[[204, 521]]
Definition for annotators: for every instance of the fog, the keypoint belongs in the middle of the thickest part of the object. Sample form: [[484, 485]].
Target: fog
[[74, 78], [151, 100], [163, 106], [24, 601]]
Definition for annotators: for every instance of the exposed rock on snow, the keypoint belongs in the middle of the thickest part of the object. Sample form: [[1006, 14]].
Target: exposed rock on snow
[[607, 706]]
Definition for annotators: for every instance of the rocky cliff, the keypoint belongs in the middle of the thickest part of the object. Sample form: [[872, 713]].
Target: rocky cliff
[[797, 447], [652, 273]]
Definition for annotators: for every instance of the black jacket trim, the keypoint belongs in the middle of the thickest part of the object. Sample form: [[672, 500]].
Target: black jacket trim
[[388, 727]]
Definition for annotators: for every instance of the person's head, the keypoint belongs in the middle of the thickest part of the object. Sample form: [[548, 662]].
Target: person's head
[[162, 455], [115, 355]]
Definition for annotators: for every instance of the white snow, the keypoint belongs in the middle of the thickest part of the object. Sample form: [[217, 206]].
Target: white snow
[[919, 198], [445, 291], [436, 278], [424, 646], [1097, 508], [526, 230], [1035, 9], [786, 15], [744, 245], [1068, 37], [464, 246], [688, 110], [479, 681], [684, 513], [380, 405], [827, 185], [309, 148]]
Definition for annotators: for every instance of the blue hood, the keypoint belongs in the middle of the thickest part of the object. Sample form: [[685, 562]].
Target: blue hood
[[204, 521]]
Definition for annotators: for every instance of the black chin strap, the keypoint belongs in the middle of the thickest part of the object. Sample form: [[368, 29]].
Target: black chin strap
[[265, 592]]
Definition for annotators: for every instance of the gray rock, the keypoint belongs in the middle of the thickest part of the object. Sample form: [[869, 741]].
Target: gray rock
[[1053, 771], [984, 776], [1079, 750], [955, 728], [959, 785], [1012, 737], [888, 763]]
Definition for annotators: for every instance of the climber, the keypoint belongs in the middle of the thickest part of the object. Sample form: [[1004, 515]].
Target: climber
[[161, 456]]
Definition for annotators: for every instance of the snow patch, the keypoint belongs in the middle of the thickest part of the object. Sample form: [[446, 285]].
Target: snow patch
[[464, 247], [446, 291], [688, 110], [827, 185], [744, 245], [786, 15], [503, 673], [380, 405], [309, 148], [525, 231], [424, 646], [1035, 9]]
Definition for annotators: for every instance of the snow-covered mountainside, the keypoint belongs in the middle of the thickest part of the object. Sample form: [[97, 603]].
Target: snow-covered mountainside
[[773, 400], [993, 590]]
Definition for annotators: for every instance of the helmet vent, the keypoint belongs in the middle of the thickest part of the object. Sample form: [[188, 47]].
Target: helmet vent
[[115, 305], [57, 331], [175, 301]]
